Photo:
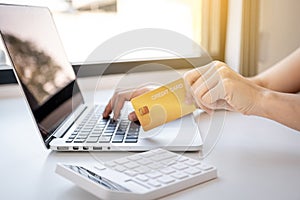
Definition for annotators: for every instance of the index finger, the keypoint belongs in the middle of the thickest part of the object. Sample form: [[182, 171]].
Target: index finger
[[108, 109], [190, 78], [193, 75]]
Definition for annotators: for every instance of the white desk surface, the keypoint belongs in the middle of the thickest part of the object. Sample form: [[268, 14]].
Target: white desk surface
[[256, 159]]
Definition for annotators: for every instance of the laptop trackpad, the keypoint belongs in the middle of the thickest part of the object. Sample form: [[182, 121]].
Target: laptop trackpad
[[183, 131]]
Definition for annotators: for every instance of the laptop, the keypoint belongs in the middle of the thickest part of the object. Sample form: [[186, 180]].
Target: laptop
[[63, 119]]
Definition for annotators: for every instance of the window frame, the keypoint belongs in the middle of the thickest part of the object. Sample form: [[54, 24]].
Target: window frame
[[7, 76]]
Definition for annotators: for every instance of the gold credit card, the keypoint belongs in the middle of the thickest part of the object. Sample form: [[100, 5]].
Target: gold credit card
[[162, 105]]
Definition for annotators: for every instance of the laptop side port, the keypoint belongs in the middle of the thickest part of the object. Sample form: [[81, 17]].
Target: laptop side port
[[76, 148], [97, 148], [62, 148], [85, 148]]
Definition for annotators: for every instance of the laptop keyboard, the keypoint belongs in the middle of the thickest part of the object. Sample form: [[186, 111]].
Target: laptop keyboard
[[95, 129]]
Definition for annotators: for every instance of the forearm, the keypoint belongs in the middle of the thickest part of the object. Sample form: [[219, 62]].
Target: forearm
[[281, 107], [282, 77]]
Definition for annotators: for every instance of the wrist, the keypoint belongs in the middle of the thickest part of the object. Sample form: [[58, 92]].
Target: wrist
[[260, 102], [256, 80], [264, 103]]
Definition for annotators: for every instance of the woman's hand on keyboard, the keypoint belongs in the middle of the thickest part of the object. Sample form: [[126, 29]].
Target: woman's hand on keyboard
[[118, 100]]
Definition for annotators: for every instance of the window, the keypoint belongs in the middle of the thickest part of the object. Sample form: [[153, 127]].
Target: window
[[83, 25], [89, 25]]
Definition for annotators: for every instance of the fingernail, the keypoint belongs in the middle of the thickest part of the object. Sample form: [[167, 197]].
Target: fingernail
[[132, 117]]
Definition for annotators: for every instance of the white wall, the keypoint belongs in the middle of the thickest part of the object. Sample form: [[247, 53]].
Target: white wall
[[233, 36], [279, 28]]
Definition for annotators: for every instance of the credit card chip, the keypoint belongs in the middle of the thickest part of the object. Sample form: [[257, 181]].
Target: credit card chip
[[144, 110]]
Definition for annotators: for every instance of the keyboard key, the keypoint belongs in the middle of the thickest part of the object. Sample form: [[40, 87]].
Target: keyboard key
[[118, 139], [144, 161], [92, 139], [155, 166], [107, 134], [111, 164], [163, 157], [154, 183], [109, 131], [120, 168], [131, 173], [79, 140], [104, 139], [109, 128], [72, 136], [124, 121], [121, 161], [100, 167], [138, 185], [193, 171], [102, 123], [148, 154], [133, 130], [204, 167], [168, 170], [166, 179], [131, 165], [179, 175], [120, 133], [135, 137], [97, 130], [78, 128], [85, 130], [179, 166], [142, 169], [182, 158], [154, 174], [95, 134], [112, 124], [101, 126], [130, 140], [69, 140], [132, 133], [192, 162], [82, 135], [135, 157], [168, 162], [142, 178]]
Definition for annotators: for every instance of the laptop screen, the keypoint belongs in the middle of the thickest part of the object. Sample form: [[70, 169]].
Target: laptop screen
[[40, 63]]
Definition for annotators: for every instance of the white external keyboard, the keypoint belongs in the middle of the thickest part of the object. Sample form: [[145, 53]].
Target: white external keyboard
[[146, 175]]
